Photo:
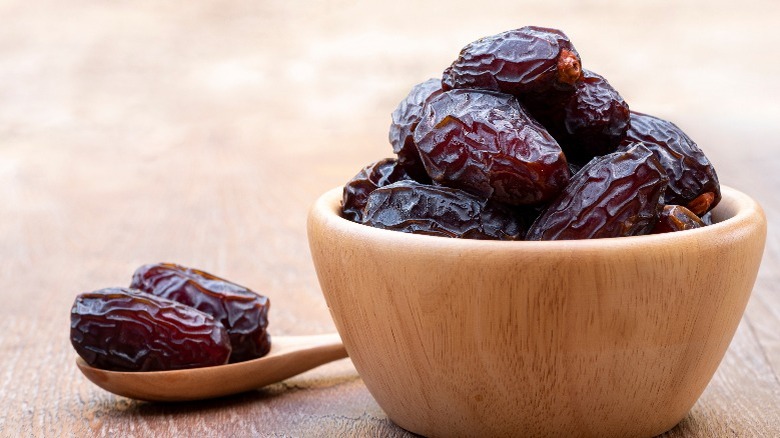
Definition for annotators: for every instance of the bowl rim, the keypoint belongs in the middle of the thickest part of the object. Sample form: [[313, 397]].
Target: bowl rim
[[743, 212]]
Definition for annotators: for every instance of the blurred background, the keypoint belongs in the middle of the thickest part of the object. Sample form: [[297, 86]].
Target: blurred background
[[127, 115], [200, 132]]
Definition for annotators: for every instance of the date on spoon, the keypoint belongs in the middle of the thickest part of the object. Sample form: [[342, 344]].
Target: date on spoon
[[289, 356]]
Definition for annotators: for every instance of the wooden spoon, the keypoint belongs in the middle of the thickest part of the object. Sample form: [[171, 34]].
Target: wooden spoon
[[289, 355]]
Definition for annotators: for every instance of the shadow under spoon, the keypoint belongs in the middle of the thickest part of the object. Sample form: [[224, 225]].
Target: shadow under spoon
[[289, 356]]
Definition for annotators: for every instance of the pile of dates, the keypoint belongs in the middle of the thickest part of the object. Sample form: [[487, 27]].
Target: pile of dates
[[170, 318], [517, 141]]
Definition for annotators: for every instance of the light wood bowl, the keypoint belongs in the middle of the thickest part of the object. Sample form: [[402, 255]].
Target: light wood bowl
[[606, 337]]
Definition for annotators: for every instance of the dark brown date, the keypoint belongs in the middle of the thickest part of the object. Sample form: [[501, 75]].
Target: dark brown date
[[484, 143], [127, 330], [574, 167], [592, 122], [707, 218], [693, 182], [371, 177], [404, 120], [616, 195], [412, 207], [676, 218], [526, 60], [243, 312]]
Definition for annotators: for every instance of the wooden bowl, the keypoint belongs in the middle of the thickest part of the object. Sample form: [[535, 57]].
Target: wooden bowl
[[606, 337]]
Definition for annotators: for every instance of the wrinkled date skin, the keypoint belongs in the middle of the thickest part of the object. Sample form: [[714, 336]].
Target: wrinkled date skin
[[484, 143], [526, 60], [371, 177], [693, 182], [243, 312], [616, 195], [592, 122], [676, 218], [120, 329], [404, 120], [411, 207], [516, 121]]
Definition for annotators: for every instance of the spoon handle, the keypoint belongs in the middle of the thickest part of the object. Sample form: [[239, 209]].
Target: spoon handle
[[328, 341], [289, 355], [292, 355]]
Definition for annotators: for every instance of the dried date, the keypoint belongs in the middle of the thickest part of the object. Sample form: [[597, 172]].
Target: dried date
[[616, 195], [521, 61], [243, 312], [592, 122], [371, 177], [693, 182], [411, 207], [574, 168], [676, 218], [483, 142], [404, 120], [127, 330]]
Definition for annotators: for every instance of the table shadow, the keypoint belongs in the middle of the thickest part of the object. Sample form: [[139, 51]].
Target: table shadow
[[122, 406]]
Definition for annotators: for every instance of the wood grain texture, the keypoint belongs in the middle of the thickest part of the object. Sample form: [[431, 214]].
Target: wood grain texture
[[289, 356], [587, 338], [201, 132]]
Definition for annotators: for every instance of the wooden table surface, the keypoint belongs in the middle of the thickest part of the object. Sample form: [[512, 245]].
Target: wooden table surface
[[201, 132]]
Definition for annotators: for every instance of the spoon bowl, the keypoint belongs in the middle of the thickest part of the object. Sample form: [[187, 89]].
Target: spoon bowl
[[289, 356]]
